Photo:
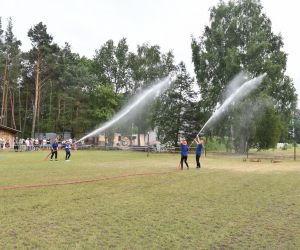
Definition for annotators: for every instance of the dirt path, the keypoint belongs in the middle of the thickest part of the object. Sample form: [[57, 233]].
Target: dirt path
[[74, 182], [255, 165]]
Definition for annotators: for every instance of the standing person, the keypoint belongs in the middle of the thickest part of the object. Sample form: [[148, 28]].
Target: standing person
[[54, 148], [68, 150], [200, 143], [184, 154], [27, 144]]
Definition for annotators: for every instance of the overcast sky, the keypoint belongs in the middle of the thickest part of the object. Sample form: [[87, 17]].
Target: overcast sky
[[88, 24]]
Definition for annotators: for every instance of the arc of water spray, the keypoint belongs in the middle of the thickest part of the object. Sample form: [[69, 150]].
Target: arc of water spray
[[242, 91], [146, 93]]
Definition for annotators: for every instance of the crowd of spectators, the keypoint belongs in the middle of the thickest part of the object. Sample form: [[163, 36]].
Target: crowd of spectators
[[4, 143], [32, 144]]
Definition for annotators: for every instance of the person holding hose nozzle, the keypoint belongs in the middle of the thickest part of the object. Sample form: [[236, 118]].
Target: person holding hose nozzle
[[184, 154], [200, 144], [68, 150], [54, 148]]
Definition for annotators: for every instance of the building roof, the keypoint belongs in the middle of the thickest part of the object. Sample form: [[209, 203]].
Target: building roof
[[9, 129]]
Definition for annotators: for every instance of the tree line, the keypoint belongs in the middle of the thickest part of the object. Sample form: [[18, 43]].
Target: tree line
[[51, 88]]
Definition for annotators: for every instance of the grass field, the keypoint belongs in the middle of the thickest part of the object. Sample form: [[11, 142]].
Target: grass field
[[126, 200]]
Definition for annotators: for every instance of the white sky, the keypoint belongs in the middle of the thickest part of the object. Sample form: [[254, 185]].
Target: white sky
[[88, 24]]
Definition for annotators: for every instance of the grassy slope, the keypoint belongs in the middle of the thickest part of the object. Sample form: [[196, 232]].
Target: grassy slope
[[224, 205]]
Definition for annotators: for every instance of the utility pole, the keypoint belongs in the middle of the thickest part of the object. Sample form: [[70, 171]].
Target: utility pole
[[148, 145], [294, 137], [131, 134]]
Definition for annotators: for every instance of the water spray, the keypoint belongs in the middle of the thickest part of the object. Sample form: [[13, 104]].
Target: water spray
[[242, 91], [152, 91]]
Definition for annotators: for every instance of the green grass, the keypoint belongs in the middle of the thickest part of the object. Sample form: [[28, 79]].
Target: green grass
[[228, 204]]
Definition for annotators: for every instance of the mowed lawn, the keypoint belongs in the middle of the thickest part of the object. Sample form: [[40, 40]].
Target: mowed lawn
[[126, 200]]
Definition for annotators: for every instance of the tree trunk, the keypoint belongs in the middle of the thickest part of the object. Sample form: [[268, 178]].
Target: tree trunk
[[37, 94], [39, 108], [58, 112], [50, 104], [64, 118], [139, 135], [12, 103], [76, 118], [4, 96], [26, 110], [178, 125], [20, 107], [231, 138]]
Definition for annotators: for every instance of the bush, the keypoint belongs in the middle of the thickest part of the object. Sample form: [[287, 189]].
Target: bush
[[216, 144]]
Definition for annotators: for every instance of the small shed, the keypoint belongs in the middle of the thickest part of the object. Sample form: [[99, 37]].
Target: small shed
[[7, 137]]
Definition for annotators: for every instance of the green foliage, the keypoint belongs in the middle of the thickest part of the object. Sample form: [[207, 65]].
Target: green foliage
[[297, 126], [286, 146], [110, 64], [239, 33], [148, 66], [41, 41], [42, 58], [268, 130], [10, 66], [105, 102], [174, 109], [76, 93], [216, 144], [294, 128]]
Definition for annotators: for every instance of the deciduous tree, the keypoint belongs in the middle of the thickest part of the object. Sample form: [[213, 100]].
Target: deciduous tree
[[174, 110], [240, 38]]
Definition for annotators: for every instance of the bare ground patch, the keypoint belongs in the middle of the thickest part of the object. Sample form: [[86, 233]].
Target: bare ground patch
[[254, 165]]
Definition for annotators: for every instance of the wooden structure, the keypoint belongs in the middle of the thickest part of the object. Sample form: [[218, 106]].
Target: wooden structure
[[7, 137]]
